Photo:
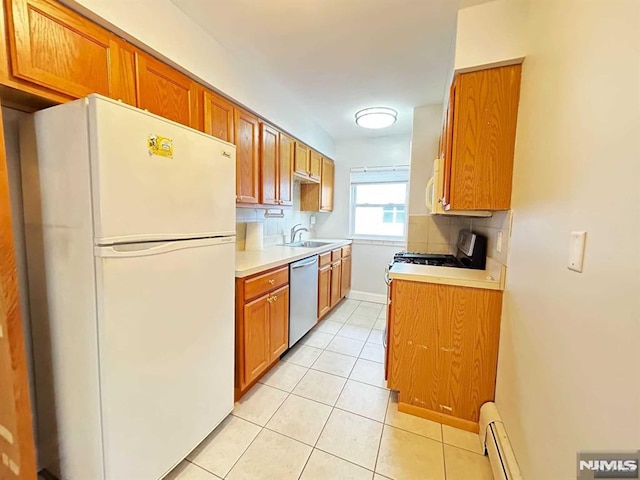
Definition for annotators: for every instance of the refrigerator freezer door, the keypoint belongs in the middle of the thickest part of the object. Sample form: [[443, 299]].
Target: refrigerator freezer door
[[166, 346], [153, 179]]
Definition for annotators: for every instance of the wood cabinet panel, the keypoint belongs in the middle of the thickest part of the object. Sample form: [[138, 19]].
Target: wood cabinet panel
[[315, 165], [336, 282], [265, 282], [301, 159], [468, 335], [218, 116], [123, 72], [278, 322], [345, 276], [247, 138], [325, 259], [324, 290], [52, 46], [326, 185], [269, 169], [412, 346], [255, 339], [443, 346], [287, 155], [166, 92], [484, 126]]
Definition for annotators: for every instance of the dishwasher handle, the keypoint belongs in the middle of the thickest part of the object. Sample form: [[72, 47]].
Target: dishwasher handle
[[313, 261]]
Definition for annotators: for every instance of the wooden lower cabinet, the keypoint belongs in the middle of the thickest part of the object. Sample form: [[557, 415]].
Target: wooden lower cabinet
[[443, 350], [336, 284], [278, 322], [345, 276], [262, 324], [255, 339], [324, 290]]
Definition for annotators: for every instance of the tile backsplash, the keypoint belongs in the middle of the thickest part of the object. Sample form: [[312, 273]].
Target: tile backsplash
[[274, 228], [439, 233]]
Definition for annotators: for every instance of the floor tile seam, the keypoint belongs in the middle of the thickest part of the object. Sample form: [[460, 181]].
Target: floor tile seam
[[345, 460], [204, 468], [384, 420]]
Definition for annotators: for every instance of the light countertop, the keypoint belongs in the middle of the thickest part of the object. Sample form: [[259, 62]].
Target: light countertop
[[492, 278], [249, 262]]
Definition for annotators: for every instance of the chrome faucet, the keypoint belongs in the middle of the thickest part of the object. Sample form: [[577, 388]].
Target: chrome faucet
[[295, 230]]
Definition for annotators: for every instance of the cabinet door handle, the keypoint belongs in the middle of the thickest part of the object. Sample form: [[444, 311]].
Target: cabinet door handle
[[272, 281], [275, 297], [444, 349], [446, 407]]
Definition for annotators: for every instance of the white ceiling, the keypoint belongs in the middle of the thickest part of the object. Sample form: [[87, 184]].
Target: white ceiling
[[338, 56]]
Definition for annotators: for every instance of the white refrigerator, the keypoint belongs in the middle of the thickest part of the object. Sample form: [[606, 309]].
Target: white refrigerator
[[130, 235]]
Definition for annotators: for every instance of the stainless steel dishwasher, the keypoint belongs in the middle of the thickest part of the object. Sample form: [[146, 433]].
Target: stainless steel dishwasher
[[303, 298]]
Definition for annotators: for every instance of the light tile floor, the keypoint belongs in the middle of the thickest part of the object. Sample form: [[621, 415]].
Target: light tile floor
[[324, 413]]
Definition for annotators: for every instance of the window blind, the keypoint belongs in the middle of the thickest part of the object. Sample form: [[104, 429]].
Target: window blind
[[393, 174]]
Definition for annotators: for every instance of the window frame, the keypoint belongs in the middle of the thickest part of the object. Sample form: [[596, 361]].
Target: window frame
[[353, 205]]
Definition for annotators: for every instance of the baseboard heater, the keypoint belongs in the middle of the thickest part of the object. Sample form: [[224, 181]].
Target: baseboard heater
[[494, 438]]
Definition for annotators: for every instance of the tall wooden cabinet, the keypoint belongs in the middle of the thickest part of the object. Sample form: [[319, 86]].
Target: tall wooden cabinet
[[443, 349], [479, 139], [336, 276], [247, 139], [166, 92], [262, 324]]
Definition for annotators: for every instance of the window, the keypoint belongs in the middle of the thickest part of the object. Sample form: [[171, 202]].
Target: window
[[379, 202]]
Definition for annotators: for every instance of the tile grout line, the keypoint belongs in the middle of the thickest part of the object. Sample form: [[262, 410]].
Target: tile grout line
[[328, 417], [384, 422]]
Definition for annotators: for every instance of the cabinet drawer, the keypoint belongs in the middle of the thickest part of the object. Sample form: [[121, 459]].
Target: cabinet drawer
[[336, 254], [325, 259], [346, 251], [265, 282]]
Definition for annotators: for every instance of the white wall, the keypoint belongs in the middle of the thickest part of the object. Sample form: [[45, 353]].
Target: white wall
[[568, 376], [369, 258], [427, 126], [491, 34], [164, 29]]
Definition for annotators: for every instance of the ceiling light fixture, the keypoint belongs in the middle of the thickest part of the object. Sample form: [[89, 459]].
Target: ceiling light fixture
[[376, 117]]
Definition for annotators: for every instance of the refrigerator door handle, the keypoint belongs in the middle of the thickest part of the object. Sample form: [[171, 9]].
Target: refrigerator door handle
[[156, 248]]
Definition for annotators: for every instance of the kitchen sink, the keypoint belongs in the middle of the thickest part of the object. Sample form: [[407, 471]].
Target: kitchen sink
[[307, 244]]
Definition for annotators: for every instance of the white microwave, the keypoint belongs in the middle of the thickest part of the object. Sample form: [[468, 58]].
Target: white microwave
[[435, 195]]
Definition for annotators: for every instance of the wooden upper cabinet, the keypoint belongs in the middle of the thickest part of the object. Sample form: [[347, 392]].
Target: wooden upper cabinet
[[287, 155], [301, 160], [218, 116], [55, 48], [315, 165], [269, 169], [479, 161], [247, 140], [166, 92], [326, 185]]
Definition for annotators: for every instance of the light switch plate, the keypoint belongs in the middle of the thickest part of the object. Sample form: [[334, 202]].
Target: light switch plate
[[576, 251], [499, 242]]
